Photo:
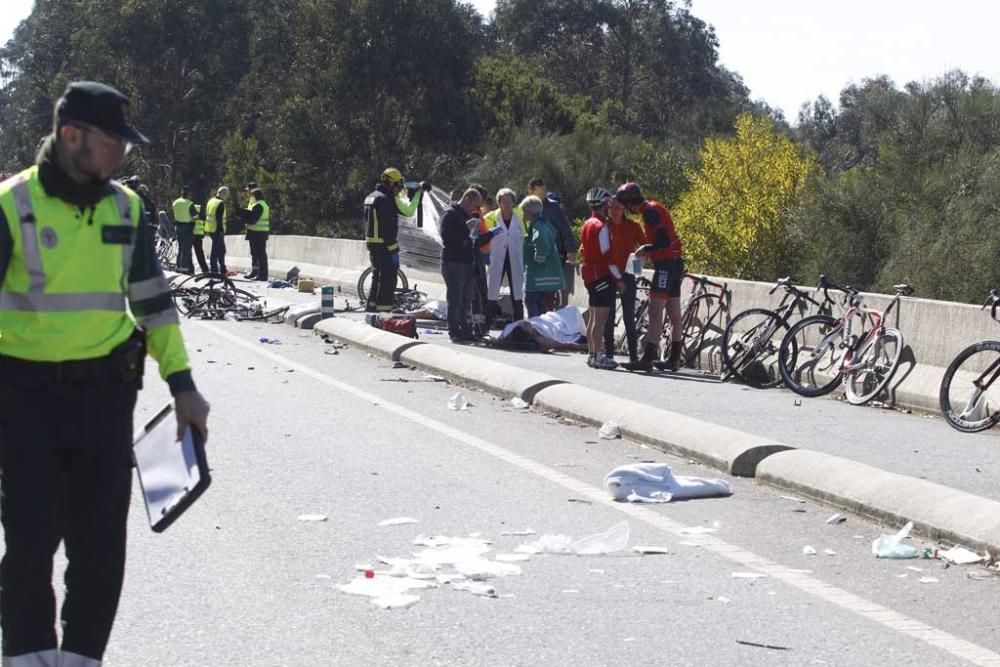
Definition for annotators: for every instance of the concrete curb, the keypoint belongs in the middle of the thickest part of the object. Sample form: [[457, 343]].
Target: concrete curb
[[736, 452], [938, 512]]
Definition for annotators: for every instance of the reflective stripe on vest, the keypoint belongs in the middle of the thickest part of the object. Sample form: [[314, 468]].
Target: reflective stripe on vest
[[36, 300], [199, 224], [375, 236], [264, 224], [182, 210]]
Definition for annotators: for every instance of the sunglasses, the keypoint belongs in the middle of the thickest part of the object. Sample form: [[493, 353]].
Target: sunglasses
[[110, 142]]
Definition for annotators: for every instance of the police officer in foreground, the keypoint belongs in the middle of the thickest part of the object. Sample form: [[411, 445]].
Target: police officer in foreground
[[75, 266]]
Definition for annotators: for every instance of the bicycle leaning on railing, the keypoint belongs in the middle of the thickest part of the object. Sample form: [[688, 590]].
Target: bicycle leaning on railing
[[857, 349], [751, 340], [698, 312], [968, 399]]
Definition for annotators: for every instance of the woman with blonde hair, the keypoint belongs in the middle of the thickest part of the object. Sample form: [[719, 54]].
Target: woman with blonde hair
[[506, 253]]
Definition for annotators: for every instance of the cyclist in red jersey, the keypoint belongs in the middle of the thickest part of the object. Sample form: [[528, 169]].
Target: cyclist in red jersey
[[663, 249], [601, 275]]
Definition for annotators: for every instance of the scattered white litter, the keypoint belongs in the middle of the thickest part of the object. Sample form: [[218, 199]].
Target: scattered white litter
[[594, 571], [800, 571], [610, 430], [612, 540], [519, 533], [476, 588], [381, 586], [793, 498], [697, 530], [836, 518], [928, 580], [749, 575], [480, 569], [891, 546], [452, 554], [323, 576], [363, 567], [512, 558], [629, 639], [398, 521], [547, 544], [829, 552], [398, 601], [570, 590], [689, 544], [902, 576], [914, 569], [449, 578], [519, 403], [656, 483], [643, 549], [458, 402], [809, 550], [723, 599], [434, 378], [315, 518], [961, 556]]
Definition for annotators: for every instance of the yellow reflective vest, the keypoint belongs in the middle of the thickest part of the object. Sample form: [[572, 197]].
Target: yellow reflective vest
[[182, 210], [264, 224], [211, 226], [70, 291]]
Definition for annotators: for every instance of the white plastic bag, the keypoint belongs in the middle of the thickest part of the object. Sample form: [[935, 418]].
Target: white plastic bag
[[612, 540], [891, 546], [458, 402]]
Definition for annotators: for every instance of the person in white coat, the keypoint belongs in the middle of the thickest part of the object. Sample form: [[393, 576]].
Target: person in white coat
[[506, 253]]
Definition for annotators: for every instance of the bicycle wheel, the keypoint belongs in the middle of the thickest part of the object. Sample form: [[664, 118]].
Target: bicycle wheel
[[641, 325], [969, 400], [364, 286], [809, 356], [750, 347], [873, 367], [701, 340], [621, 335]]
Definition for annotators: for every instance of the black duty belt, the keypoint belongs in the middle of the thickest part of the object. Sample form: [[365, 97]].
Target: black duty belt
[[102, 368]]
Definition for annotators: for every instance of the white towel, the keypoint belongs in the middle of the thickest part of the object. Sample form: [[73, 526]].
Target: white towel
[[656, 483]]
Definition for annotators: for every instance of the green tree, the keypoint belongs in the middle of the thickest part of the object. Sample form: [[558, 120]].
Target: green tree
[[733, 220]]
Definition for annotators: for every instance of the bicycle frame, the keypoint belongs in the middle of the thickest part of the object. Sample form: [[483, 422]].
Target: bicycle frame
[[855, 346]]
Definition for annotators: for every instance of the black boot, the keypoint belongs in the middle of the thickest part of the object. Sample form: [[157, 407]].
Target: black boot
[[646, 363], [673, 361]]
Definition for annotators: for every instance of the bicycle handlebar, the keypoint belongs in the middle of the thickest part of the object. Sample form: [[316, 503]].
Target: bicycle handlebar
[[993, 298]]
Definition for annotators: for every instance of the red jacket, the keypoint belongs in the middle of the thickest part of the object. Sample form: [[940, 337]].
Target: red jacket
[[660, 232], [598, 255], [626, 236]]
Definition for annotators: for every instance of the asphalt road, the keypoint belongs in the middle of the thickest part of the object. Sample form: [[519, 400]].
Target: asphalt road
[[918, 445], [239, 580]]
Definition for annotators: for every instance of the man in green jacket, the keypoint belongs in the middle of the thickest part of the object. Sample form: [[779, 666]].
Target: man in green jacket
[[543, 273]]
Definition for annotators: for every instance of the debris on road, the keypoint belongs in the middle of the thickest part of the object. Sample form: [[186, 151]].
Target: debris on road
[[829, 552], [519, 403], [512, 558], [836, 519], [809, 550], [546, 544], [697, 530], [959, 555], [476, 588], [610, 430], [315, 518], [650, 550], [793, 498], [519, 533], [749, 575], [580, 500], [928, 580], [768, 646], [397, 521], [614, 539], [458, 402], [270, 341], [656, 483], [891, 546], [434, 378]]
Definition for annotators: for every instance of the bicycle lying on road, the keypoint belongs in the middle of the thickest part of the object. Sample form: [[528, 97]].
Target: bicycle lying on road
[[821, 351], [699, 311], [212, 296], [967, 398], [751, 340]]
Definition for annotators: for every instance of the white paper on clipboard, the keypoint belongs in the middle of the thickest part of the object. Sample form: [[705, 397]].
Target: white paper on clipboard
[[168, 470]]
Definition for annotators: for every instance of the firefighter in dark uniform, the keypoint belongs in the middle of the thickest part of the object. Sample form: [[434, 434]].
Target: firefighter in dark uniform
[[82, 297], [381, 237]]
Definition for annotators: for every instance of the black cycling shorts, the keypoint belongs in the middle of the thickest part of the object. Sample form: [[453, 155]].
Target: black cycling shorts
[[667, 277], [601, 293]]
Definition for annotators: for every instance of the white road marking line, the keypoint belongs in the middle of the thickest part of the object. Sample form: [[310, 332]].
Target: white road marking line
[[911, 627]]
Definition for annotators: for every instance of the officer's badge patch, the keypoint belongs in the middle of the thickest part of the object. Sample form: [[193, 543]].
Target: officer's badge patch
[[49, 237]]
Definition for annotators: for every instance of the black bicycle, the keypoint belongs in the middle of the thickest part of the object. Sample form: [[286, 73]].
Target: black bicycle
[[364, 286], [967, 398], [751, 341]]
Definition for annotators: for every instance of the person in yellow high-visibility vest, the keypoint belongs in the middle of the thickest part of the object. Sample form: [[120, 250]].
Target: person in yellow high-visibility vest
[[198, 240], [82, 298], [185, 213], [215, 228], [257, 218]]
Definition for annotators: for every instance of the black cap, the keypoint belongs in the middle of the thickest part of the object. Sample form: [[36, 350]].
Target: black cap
[[252, 185], [101, 106]]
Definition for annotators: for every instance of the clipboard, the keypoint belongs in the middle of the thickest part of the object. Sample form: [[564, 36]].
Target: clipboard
[[172, 474]]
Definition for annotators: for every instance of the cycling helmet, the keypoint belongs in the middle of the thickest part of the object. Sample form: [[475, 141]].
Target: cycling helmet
[[597, 197], [392, 175], [630, 194]]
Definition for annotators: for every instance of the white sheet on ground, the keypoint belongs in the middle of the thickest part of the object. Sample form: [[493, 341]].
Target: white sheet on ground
[[656, 483], [565, 325]]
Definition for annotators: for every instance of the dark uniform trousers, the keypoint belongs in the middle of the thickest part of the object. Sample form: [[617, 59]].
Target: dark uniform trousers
[[185, 242], [65, 454], [258, 254], [217, 256], [383, 292], [198, 243]]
